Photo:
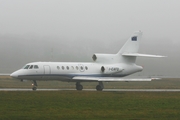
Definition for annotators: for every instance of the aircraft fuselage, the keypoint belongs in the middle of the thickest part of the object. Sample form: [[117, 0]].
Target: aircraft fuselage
[[64, 71]]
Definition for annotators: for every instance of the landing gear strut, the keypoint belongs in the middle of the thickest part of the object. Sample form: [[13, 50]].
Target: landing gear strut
[[79, 86], [100, 87], [34, 84]]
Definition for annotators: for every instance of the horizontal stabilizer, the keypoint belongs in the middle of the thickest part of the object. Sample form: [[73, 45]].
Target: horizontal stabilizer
[[141, 55], [110, 79]]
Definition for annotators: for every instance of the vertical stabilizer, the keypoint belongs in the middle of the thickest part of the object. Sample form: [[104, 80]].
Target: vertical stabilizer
[[131, 46]]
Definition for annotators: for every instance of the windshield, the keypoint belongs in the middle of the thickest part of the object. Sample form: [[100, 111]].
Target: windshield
[[26, 67], [31, 67]]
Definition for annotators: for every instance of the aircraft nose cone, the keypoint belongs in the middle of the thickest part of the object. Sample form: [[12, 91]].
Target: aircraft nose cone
[[14, 75]]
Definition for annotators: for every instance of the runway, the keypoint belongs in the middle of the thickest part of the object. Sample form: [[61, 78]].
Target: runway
[[105, 90]]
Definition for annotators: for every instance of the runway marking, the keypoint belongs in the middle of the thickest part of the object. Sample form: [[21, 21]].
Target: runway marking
[[105, 90]]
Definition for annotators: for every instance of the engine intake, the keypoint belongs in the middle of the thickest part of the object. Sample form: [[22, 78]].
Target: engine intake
[[105, 58]]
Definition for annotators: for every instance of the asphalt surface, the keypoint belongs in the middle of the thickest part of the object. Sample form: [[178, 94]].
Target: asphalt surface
[[106, 90]]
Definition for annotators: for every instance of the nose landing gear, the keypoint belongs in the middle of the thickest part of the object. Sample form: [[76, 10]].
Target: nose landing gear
[[34, 84]]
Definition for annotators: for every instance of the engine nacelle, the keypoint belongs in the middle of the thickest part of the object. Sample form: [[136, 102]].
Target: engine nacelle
[[104, 58], [111, 69]]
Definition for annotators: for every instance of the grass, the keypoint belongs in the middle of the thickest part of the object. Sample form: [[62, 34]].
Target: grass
[[70, 105]]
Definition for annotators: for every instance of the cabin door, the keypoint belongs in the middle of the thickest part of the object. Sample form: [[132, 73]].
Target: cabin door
[[47, 69]]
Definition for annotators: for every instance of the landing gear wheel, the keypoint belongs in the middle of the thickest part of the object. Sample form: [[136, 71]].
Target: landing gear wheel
[[79, 87], [34, 85], [34, 88], [99, 88]]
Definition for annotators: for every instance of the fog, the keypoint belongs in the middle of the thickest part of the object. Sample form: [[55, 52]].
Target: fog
[[72, 30]]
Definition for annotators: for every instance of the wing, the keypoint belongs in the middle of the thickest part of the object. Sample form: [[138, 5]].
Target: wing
[[111, 79]]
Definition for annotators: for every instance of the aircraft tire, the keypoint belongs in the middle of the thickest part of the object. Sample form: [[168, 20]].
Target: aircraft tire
[[79, 87], [34, 88], [99, 88]]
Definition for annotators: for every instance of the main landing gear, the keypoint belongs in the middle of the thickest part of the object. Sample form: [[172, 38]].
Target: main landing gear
[[79, 86], [100, 87], [34, 84]]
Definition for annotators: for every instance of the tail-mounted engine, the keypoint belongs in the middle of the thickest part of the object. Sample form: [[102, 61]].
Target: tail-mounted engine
[[105, 58]]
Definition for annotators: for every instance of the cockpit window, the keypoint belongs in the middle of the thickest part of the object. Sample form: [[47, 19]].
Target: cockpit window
[[31, 67], [26, 67], [36, 67]]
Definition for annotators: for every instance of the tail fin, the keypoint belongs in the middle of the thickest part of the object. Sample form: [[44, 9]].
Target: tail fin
[[131, 46], [127, 54]]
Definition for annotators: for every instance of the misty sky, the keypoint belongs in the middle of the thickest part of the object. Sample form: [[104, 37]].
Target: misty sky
[[72, 30]]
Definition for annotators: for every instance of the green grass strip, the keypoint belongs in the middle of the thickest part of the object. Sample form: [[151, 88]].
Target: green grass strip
[[71, 105]]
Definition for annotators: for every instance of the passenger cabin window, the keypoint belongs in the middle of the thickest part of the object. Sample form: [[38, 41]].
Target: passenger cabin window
[[31, 67], [86, 67], [67, 67], [36, 67], [26, 67], [82, 68], [76, 67], [62, 67], [58, 67]]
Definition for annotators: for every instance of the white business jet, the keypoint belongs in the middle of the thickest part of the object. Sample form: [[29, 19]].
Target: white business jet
[[104, 68]]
